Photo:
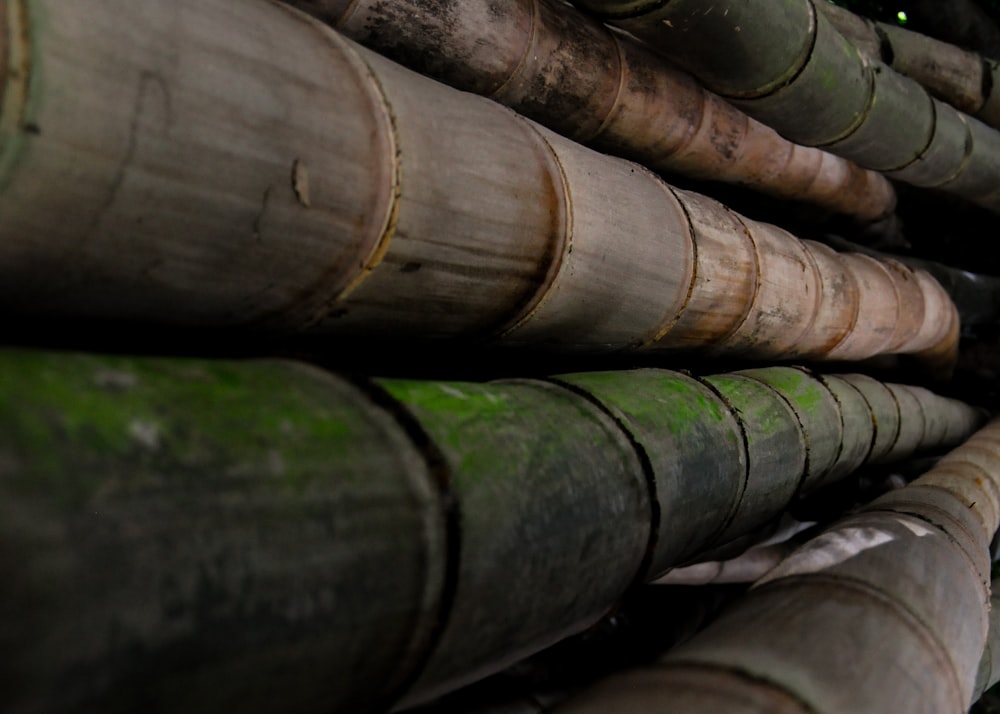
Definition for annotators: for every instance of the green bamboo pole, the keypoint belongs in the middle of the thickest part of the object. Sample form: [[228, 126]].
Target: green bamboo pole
[[263, 535], [362, 200], [573, 75], [885, 611], [785, 64]]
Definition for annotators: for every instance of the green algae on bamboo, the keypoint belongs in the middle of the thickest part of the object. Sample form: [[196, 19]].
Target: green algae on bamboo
[[899, 592], [358, 217], [784, 63], [250, 514]]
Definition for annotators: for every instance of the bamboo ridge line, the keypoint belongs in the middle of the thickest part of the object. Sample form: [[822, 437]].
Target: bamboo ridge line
[[967, 81], [784, 63], [570, 73], [908, 578], [356, 198], [223, 509]]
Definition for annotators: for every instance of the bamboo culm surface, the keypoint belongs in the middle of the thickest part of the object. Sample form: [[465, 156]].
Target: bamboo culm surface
[[575, 76], [885, 611], [324, 188], [784, 63], [270, 537], [967, 81]]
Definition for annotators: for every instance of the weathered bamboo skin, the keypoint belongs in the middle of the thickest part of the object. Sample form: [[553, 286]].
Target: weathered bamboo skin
[[533, 520], [420, 242], [165, 536], [900, 592], [989, 665], [814, 87], [571, 74], [282, 563], [948, 72]]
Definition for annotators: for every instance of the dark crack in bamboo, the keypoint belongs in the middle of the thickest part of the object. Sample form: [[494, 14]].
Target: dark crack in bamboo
[[784, 63], [222, 534], [355, 198], [885, 611], [575, 76]]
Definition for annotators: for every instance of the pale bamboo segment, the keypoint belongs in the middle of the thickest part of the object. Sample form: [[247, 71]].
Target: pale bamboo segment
[[785, 64], [124, 148], [573, 75], [878, 311], [899, 593], [725, 275], [388, 205], [989, 665]]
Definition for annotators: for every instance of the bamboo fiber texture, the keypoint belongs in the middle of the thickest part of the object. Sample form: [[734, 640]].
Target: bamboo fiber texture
[[785, 64], [270, 537], [332, 191], [885, 611], [570, 73], [964, 79]]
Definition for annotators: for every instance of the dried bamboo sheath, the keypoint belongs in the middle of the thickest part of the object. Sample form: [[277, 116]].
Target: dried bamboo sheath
[[886, 611], [573, 75], [224, 534], [353, 197], [785, 64]]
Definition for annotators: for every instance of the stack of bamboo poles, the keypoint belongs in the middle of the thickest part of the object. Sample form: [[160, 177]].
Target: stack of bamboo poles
[[355, 198], [784, 63], [965, 80], [214, 534], [899, 596], [208, 534], [587, 83]]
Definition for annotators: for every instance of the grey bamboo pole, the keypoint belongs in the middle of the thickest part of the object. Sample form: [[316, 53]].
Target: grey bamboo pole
[[989, 666], [886, 611], [783, 63], [964, 79], [336, 192], [267, 536], [573, 75]]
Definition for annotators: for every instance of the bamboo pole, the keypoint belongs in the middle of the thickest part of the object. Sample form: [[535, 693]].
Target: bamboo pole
[[338, 205], [573, 75], [784, 63], [263, 535], [989, 666], [885, 611]]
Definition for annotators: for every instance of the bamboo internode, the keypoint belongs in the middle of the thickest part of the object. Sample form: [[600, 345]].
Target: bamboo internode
[[356, 198], [898, 595], [570, 73], [215, 533], [964, 79], [786, 65]]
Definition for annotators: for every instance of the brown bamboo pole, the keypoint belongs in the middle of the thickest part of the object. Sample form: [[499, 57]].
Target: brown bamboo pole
[[573, 75], [359, 217], [218, 534], [785, 64], [899, 593]]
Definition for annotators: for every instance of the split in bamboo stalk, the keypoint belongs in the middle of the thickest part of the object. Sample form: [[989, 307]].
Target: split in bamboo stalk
[[570, 73], [785, 64], [215, 533], [355, 198], [886, 611], [964, 79]]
